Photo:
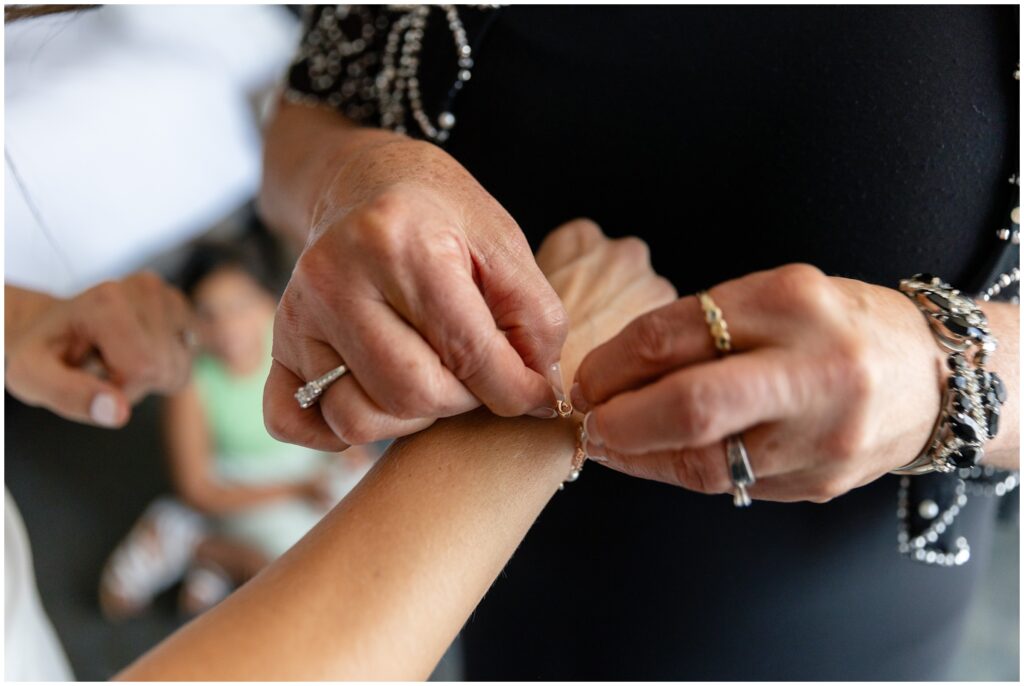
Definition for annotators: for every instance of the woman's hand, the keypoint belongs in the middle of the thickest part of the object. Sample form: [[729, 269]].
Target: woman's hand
[[832, 383], [426, 289], [136, 327], [604, 284]]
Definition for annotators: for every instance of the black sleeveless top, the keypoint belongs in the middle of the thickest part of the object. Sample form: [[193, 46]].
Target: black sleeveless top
[[872, 142]]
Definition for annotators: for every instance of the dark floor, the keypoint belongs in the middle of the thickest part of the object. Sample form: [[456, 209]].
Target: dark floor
[[80, 489]]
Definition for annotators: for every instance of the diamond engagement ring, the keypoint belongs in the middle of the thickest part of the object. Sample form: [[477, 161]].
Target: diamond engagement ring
[[308, 394]]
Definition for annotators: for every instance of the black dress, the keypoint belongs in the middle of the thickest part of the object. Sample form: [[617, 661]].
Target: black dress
[[872, 142]]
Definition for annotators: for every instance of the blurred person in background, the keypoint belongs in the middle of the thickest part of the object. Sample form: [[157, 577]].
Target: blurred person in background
[[243, 498]]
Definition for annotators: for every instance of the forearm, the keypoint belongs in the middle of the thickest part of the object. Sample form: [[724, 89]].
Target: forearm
[[1003, 451], [216, 498], [21, 307], [304, 149], [380, 588]]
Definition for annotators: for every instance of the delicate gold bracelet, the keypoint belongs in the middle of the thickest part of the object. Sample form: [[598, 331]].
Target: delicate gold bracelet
[[579, 456]]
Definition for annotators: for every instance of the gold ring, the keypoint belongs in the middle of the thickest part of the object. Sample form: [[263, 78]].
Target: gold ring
[[716, 323]]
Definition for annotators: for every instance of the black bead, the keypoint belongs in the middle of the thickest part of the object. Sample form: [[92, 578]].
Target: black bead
[[959, 326], [957, 382], [955, 362], [993, 423], [962, 403], [939, 300], [999, 387], [967, 456], [965, 429], [991, 400]]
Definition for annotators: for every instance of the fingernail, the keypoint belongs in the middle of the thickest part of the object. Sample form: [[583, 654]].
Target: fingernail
[[103, 410], [543, 413], [576, 396], [555, 379], [595, 452], [590, 426]]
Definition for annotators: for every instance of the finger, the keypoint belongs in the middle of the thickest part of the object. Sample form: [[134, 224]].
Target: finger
[[699, 405], [459, 326], [676, 335], [179, 318], [566, 243], [399, 371], [110, 323], [357, 420], [522, 303], [45, 380], [288, 422], [706, 469]]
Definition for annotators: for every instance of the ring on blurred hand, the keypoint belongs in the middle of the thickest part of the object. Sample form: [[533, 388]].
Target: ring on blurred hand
[[739, 469], [189, 339], [308, 394]]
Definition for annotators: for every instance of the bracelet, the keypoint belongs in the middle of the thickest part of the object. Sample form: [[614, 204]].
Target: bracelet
[[579, 456], [972, 396]]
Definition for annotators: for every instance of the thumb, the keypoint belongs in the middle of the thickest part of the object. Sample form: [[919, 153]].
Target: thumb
[[524, 305], [69, 392]]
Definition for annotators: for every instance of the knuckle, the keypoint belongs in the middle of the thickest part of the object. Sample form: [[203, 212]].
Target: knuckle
[[277, 426], [149, 282], [695, 418], [378, 226], [829, 489], [357, 428], [846, 443], [553, 323], [693, 473], [802, 288], [663, 292], [106, 294], [632, 249], [650, 339], [414, 396], [466, 356]]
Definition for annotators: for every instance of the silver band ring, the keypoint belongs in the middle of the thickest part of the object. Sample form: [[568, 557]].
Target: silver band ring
[[740, 471], [308, 394]]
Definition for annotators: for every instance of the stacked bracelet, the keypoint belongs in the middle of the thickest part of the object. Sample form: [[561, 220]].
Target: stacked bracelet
[[972, 396]]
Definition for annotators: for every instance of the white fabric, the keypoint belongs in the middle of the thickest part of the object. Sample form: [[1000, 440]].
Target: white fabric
[[31, 649], [130, 129]]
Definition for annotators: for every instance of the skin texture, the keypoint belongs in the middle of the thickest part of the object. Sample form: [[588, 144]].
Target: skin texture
[[411, 274], [133, 326], [832, 382], [381, 586]]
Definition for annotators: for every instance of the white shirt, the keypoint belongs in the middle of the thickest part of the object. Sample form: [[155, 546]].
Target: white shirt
[[31, 649]]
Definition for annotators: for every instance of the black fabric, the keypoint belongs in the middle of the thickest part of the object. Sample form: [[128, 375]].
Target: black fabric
[[873, 142]]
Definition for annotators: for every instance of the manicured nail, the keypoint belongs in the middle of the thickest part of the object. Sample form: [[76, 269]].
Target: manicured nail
[[595, 452], [590, 426], [543, 413], [578, 401], [103, 410], [555, 379]]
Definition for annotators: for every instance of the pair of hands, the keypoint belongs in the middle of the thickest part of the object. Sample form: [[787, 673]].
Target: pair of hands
[[423, 285], [91, 357]]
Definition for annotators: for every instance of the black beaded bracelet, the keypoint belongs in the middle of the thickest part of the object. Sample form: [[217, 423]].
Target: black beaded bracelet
[[972, 396]]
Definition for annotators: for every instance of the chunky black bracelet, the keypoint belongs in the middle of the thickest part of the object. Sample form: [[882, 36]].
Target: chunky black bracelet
[[972, 396]]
